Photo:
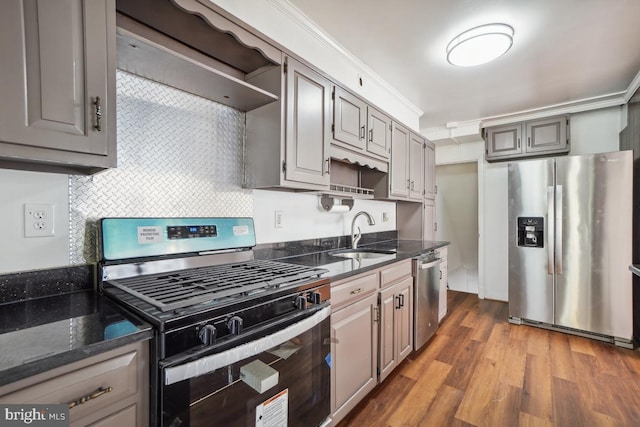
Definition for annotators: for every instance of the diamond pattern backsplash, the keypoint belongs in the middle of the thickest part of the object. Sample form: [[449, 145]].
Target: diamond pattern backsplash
[[178, 155]]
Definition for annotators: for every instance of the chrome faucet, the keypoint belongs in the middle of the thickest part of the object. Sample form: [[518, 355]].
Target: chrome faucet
[[355, 236]]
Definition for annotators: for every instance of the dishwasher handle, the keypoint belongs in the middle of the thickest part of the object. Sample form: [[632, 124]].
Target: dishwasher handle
[[429, 264]]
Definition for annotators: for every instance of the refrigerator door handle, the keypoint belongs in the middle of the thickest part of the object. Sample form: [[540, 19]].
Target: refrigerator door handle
[[558, 229], [550, 230]]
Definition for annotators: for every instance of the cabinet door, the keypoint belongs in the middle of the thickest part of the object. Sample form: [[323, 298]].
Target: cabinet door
[[548, 135], [308, 125], [399, 183], [379, 133], [430, 171], [388, 351], [349, 119], [58, 59], [354, 350], [442, 306], [416, 167], [404, 314], [429, 228], [503, 141]]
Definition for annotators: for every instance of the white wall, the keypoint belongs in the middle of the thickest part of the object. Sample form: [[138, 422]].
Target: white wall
[[591, 132], [457, 217], [303, 218], [17, 252], [285, 25]]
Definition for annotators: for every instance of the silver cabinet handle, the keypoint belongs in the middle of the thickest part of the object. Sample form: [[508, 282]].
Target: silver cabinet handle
[[84, 399], [328, 165], [518, 142], [98, 125], [357, 291], [362, 132], [370, 135]]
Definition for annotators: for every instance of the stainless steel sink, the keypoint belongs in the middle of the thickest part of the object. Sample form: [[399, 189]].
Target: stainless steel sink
[[362, 253]]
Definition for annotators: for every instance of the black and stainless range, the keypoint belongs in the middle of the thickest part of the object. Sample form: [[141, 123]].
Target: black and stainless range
[[238, 341]]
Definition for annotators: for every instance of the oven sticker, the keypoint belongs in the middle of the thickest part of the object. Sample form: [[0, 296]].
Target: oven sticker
[[273, 412], [240, 230], [149, 234]]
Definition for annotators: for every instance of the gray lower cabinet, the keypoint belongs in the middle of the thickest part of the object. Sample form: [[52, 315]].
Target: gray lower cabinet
[[444, 282], [110, 389], [354, 342], [527, 139], [371, 332], [288, 140], [396, 317], [58, 85]]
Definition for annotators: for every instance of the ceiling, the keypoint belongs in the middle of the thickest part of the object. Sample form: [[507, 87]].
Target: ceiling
[[563, 51]]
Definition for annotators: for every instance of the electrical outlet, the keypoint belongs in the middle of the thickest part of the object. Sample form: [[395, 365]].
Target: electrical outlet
[[38, 220], [278, 219], [385, 216]]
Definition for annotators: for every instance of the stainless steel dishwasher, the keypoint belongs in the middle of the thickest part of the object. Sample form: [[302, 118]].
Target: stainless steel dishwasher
[[426, 291]]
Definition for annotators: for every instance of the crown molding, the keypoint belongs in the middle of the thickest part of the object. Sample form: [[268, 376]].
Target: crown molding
[[633, 87], [301, 20]]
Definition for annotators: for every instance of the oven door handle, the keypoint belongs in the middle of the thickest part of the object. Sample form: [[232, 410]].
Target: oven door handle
[[206, 364]]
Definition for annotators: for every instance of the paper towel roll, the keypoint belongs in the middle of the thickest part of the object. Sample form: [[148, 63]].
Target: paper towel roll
[[339, 209]]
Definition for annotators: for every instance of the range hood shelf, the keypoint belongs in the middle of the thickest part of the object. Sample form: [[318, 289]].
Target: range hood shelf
[[147, 53]]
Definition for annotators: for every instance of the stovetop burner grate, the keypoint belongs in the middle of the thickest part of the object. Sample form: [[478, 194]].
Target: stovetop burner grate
[[178, 289]]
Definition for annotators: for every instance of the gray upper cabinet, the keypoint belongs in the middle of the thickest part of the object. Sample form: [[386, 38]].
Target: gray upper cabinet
[[416, 167], [429, 170], [379, 133], [349, 119], [534, 138], [400, 145], [361, 133], [288, 140], [308, 125], [58, 85]]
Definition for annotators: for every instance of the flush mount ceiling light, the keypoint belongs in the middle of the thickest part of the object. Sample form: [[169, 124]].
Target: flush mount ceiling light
[[480, 45]]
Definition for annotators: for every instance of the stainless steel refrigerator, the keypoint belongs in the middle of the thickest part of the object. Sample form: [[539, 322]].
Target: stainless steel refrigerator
[[570, 244]]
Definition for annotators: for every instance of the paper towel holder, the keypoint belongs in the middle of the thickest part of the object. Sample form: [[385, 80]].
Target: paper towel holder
[[335, 204]]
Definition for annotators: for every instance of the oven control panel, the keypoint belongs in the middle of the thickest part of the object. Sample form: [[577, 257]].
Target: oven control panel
[[191, 231]]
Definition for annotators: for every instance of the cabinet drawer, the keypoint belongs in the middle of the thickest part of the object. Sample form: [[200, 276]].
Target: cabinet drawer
[[395, 272], [347, 292], [119, 373]]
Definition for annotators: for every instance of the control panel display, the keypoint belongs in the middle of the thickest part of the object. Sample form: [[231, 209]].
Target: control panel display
[[175, 232]]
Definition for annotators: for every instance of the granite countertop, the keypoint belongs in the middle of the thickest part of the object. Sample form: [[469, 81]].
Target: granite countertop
[[341, 268], [56, 322], [54, 317]]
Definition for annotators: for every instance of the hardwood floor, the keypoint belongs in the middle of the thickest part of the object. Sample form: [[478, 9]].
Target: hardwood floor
[[479, 370]]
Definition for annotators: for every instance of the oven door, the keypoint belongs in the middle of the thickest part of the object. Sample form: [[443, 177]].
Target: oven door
[[279, 376]]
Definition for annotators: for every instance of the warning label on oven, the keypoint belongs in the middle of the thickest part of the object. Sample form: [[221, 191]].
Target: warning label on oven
[[273, 412], [149, 234]]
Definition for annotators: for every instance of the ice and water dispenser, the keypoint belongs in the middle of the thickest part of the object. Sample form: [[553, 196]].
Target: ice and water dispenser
[[531, 232]]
